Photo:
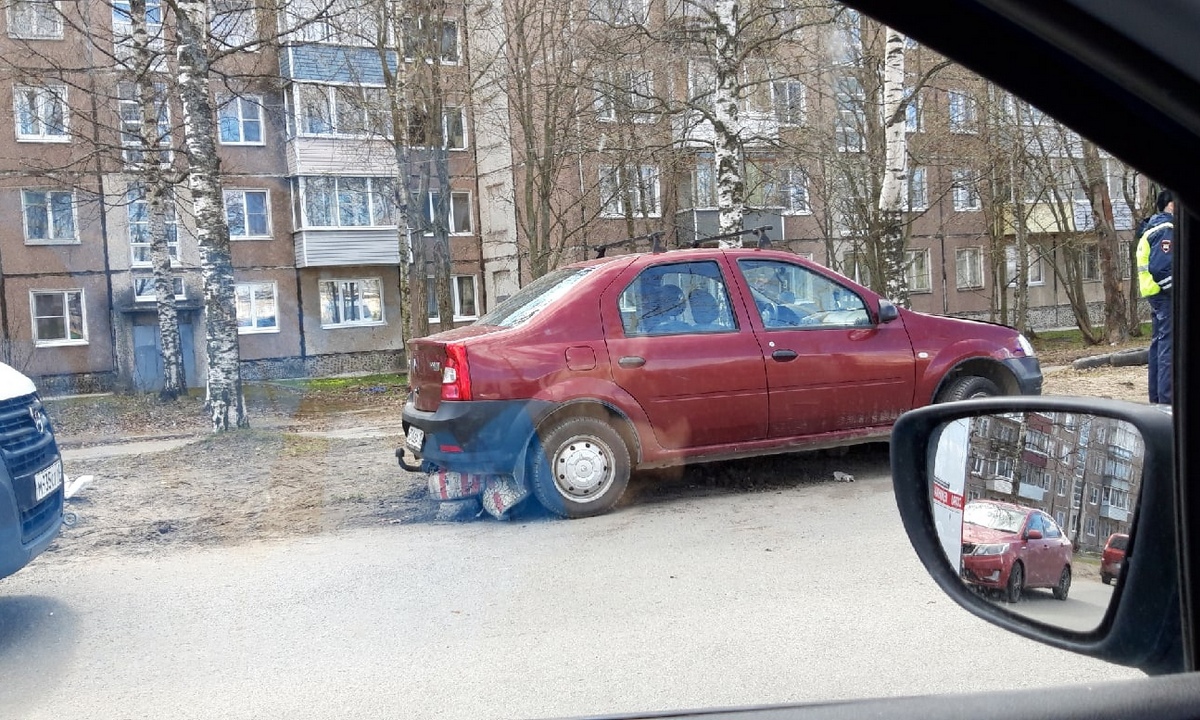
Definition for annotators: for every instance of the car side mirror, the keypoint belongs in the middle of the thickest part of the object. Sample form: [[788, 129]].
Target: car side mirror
[[966, 475], [887, 312], [1033, 535]]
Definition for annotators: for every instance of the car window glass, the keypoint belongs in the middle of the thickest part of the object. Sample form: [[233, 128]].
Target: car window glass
[[677, 298], [1050, 528], [1035, 523], [792, 296], [534, 296]]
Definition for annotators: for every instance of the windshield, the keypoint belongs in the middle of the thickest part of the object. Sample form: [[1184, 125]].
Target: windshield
[[280, 463], [535, 296], [994, 517]]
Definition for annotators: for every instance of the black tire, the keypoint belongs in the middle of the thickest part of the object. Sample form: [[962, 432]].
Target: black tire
[[968, 386], [1106, 578], [581, 468], [1016, 582], [1064, 584]]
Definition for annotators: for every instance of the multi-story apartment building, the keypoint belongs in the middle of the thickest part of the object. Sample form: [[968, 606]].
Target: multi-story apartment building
[[311, 176]]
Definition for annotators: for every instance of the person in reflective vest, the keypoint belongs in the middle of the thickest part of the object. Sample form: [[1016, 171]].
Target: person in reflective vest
[[1154, 270]]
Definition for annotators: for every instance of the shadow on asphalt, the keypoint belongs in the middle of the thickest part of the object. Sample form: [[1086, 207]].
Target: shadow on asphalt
[[36, 641]]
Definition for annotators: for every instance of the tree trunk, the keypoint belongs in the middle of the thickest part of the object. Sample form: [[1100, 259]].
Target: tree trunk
[[1115, 328], [223, 398], [728, 151], [891, 197]]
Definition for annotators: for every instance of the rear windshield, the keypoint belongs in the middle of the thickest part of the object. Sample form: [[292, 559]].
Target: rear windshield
[[530, 299], [1118, 542]]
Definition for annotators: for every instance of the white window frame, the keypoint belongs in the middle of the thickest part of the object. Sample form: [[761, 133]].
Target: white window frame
[[48, 207], [133, 202], [613, 183], [252, 287], [335, 211], [240, 103], [976, 267], [148, 281], [1089, 261], [334, 97], [456, 293], [430, 208], [798, 200], [56, 342], [964, 113], [420, 23], [130, 120], [45, 97], [914, 112], [621, 13], [36, 31], [789, 101], [849, 107], [447, 114], [239, 194], [918, 282], [122, 30], [341, 322], [966, 195], [242, 26], [917, 180]]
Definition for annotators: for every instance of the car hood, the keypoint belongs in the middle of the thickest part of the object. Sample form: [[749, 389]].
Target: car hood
[[979, 535], [14, 384]]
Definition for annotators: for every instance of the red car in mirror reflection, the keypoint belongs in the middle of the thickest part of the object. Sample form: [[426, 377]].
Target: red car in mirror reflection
[[1113, 557], [1009, 548]]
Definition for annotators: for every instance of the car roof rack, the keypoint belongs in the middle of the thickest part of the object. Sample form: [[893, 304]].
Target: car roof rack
[[655, 239], [763, 240]]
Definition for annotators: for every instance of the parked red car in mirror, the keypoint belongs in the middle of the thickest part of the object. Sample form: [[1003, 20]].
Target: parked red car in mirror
[[1011, 548], [656, 359], [1113, 557]]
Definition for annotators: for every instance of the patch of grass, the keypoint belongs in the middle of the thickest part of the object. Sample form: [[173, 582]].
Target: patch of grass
[[1059, 338], [357, 382]]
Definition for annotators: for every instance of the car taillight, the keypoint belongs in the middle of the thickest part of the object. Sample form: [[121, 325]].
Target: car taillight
[[456, 378]]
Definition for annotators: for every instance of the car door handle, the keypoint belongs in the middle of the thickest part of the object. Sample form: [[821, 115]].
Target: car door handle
[[631, 361], [784, 355]]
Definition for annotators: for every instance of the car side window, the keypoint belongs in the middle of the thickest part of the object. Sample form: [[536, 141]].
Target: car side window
[[1035, 523], [792, 296], [1051, 527], [677, 298]]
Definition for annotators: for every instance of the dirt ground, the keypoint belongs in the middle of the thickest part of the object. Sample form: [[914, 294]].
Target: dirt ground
[[320, 461]]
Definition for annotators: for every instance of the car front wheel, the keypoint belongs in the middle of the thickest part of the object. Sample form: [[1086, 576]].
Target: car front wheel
[[583, 468], [1016, 581], [968, 386]]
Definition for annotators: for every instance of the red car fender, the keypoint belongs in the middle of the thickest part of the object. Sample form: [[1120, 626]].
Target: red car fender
[[932, 371]]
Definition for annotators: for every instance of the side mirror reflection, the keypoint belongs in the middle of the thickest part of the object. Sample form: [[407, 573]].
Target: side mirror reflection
[[1034, 508]]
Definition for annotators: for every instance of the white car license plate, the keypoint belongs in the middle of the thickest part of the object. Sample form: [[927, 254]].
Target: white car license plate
[[415, 439], [47, 481]]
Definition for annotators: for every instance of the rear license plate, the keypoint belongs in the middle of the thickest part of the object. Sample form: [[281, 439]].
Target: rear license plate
[[415, 438], [47, 481]]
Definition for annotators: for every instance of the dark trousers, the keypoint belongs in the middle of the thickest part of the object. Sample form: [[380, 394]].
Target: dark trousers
[[1161, 349]]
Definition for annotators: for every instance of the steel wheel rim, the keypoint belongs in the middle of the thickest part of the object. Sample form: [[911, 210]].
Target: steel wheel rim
[[583, 469]]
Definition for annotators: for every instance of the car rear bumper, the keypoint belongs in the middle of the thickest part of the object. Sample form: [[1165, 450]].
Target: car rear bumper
[[474, 436], [1028, 372]]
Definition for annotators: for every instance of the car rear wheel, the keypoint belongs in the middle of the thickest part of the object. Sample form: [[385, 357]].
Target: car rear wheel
[[1064, 584], [583, 468], [1106, 578], [1016, 581], [968, 386]]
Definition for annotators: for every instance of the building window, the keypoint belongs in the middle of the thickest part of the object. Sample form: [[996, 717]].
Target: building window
[[916, 268], [1035, 271], [917, 190], [796, 188], [914, 115], [462, 290], [1090, 525], [35, 20], [348, 202], [966, 195], [139, 226], [855, 267], [350, 111], [49, 217], [1093, 495], [964, 117], [618, 12], [58, 317], [625, 94], [256, 308], [240, 120], [1090, 257], [234, 23], [851, 117], [968, 266], [248, 214], [787, 98], [351, 302], [458, 214], [144, 289], [454, 128], [426, 39], [130, 109], [41, 113], [631, 191], [338, 22], [122, 24]]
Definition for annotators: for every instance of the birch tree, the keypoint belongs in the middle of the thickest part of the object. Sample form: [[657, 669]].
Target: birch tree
[[895, 176]]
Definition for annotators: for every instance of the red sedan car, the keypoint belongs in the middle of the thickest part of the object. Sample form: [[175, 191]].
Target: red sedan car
[[1009, 548], [655, 359], [1113, 557]]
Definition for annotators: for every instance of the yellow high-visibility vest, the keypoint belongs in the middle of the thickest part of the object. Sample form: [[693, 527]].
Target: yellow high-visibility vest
[[1146, 284]]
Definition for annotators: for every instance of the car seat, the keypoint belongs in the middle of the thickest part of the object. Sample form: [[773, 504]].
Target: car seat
[[663, 310], [704, 310]]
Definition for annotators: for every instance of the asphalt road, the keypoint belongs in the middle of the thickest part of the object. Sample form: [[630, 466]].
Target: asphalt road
[[805, 594]]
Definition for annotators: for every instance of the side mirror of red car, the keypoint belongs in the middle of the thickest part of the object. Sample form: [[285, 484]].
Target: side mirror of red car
[[955, 470], [1033, 535]]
